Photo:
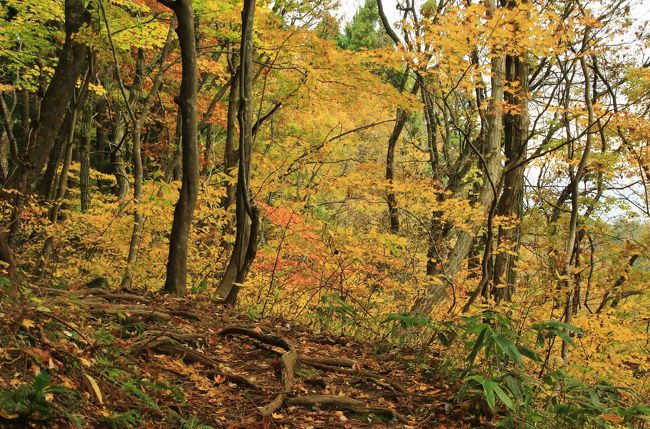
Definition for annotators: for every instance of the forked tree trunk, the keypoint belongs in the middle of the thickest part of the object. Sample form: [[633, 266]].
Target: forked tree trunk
[[489, 157], [176, 279], [247, 215], [138, 169]]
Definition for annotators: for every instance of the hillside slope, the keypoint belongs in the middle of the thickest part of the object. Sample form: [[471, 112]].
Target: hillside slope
[[98, 358]]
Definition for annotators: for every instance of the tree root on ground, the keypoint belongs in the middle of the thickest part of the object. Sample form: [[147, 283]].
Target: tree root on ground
[[132, 312], [373, 377], [166, 345], [288, 361], [342, 403]]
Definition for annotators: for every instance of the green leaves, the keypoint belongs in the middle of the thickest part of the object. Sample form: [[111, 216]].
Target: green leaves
[[556, 328], [31, 401], [408, 320], [494, 335], [491, 391]]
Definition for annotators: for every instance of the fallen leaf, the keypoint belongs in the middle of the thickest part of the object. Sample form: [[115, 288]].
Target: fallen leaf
[[28, 323], [95, 387]]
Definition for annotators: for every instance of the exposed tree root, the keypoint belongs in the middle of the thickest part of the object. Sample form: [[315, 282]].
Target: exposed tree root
[[272, 406], [325, 401], [133, 312], [166, 345], [287, 359], [373, 377], [330, 361], [342, 403]]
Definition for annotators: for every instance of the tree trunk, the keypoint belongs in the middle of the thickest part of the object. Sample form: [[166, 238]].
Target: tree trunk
[[4, 156], [400, 121], [72, 60], [100, 145], [230, 156], [84, 153], [573, 220], [176, 279], [207, 150], [138, 169], [489, 158], [25, 116], [247, 215], [62, 183], [12, 147], [138, 218], [511, 200]]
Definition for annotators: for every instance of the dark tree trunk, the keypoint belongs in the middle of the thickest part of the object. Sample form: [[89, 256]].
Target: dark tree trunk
[[207, 150], [247, 215], [47, 184], [511, 200], [230, 156], [8, 128], [176, 279], [84, 153], [72, 60], [400, 121], [25, 116], [100, 145], [62, 182]]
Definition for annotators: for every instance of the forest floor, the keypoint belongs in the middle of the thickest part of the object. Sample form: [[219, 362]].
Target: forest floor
[[119, 360]]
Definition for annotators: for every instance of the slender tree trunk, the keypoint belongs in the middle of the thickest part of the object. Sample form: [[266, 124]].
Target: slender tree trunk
[[247, 215], [174, 152], [138, 169], [175, 282], [8, 129], [573, 220], [25, 116], [138, 218], [62, 182], [4, 157], [207, 150], [100, 145], [84, 153], [400, 121], [230, 157]]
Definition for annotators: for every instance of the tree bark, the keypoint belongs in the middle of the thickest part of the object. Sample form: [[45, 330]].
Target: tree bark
[[84, 153], [138, 169], [11, 147], [247, 215], [72, 60], [230, 157], [175, 282], [511, 201], [489, 156]]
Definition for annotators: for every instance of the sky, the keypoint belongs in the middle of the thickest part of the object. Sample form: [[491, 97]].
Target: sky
[[348, 7]]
